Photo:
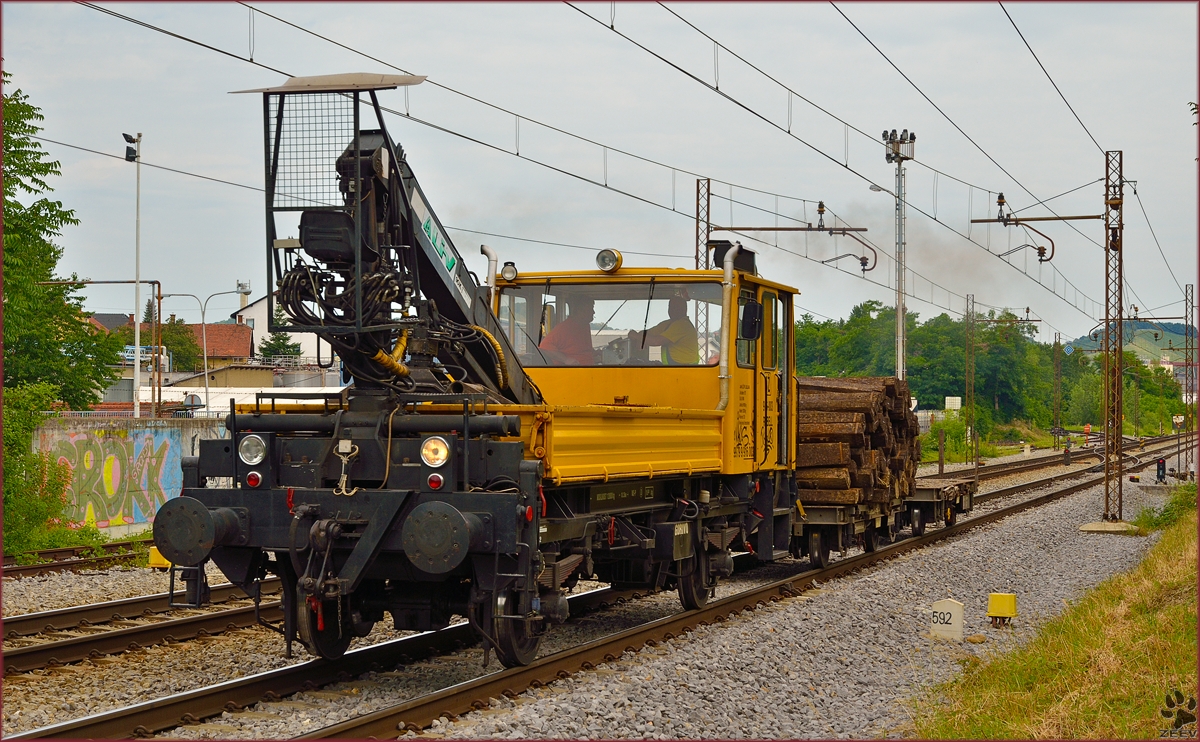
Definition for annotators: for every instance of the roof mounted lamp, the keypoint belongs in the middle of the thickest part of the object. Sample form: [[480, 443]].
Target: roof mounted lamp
[[608, 261]]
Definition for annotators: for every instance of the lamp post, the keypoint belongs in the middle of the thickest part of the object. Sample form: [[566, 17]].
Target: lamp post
[[135, 156], [243, 289], [898, 149]]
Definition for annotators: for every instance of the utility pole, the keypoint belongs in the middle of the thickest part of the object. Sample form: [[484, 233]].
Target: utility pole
[[703, 231], [1058, 429], [135, 155], [1114, 274], [969, 417], [899, 149], [1189, 391]]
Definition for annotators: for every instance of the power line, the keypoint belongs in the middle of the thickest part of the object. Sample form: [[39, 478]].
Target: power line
[[834, 160], [1064, 193], [1156, 242], [561, 244], [956, 126], [605, 185], [1048, 77]]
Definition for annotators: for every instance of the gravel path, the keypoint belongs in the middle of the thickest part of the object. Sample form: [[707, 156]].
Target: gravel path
[[841, 663]]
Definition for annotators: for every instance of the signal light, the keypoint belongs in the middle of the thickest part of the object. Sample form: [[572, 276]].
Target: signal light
[[529, 513], [253, 479], [436, 481]]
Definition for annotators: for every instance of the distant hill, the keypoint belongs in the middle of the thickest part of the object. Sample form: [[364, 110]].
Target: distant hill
[[1140, 339]]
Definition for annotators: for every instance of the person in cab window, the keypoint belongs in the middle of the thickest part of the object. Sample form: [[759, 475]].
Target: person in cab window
[[676, 335], [570, 342]]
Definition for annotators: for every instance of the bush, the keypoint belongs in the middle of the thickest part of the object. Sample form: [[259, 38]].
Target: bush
[[1181, 502], [35, 486]]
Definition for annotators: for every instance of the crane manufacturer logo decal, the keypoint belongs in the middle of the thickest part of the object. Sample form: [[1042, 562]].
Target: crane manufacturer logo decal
[[448, 257]]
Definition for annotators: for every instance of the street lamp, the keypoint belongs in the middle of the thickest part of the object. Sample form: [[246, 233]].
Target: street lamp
[[244, 289], [897, 150], [135, 155]]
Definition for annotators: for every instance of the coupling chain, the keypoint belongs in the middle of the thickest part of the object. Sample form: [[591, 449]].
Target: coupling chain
[[340, 488]]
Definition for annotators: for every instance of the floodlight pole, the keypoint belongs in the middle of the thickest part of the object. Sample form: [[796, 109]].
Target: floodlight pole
[[899, 149]]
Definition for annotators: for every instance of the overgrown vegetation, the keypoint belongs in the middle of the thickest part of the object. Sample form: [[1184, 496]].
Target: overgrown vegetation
[[52, 355], [1181, 502], [35, 485], [1098, 671], [1014, 374]]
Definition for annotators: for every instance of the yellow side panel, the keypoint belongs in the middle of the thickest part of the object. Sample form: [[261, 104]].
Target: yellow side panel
[[605, 443], [686, 388]]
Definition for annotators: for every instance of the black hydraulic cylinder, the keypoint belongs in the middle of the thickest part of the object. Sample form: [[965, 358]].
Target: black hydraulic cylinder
[[481, 424]]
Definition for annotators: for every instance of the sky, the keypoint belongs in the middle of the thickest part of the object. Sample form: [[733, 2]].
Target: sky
[[637, 81]]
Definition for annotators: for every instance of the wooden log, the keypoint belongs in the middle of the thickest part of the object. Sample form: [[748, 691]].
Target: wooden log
[[829, 417], [839, 401], [823, 454], [827, 478], [830, 497]]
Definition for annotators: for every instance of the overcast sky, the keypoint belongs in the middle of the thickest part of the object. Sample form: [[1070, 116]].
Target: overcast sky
[[1127, 69]]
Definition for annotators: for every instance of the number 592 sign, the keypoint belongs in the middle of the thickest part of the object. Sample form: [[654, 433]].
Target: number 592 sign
[[946, 620]]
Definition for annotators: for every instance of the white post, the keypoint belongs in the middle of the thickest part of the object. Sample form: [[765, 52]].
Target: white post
[[137, 289]]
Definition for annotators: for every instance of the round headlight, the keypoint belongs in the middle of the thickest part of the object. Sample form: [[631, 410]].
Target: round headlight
[[435, 451], [252, 450], [509, 271], [608, 260]]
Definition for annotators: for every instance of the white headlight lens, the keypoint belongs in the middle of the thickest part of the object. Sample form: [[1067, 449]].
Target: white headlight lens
[[435, 451], [252, 450], [608, 260], [509, 272]]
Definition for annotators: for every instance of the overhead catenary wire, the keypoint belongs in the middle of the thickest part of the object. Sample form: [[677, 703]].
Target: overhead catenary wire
[[576, 175], [1157, 244], [827, 156], [1048, 77]]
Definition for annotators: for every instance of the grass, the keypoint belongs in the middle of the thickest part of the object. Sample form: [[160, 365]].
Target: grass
[[1098, 671]]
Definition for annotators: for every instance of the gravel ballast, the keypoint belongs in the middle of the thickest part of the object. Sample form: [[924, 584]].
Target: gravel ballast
[[843, 662], [837, 662]]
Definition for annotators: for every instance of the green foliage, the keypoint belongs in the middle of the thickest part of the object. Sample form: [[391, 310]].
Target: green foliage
[[149, 314], [35, 486], [1181, 502], [177, 338], [278, 343], [46, 333]]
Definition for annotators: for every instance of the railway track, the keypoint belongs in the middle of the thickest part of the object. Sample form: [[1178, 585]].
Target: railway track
[[74, 558], [160, 714], [994, 471], [85, 632]]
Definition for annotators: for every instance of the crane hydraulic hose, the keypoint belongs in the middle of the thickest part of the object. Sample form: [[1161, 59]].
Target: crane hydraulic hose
[[392, 361], [501, 368]]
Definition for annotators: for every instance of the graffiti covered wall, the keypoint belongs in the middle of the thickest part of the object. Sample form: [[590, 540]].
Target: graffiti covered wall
[[122, 469]]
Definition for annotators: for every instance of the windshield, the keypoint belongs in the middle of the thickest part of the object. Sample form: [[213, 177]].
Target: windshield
[[653, 323]]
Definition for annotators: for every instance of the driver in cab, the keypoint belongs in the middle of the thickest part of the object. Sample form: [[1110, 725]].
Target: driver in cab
[[676, 335], [570, 341]]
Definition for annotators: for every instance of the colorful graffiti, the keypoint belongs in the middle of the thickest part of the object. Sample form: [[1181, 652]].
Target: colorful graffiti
[[119, 477]]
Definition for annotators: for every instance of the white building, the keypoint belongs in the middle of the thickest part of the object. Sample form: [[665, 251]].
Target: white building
[[254, 314]]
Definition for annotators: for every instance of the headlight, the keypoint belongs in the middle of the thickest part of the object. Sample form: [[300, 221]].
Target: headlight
[[252, 450], [509, 271], [608, 260], [435, 451]]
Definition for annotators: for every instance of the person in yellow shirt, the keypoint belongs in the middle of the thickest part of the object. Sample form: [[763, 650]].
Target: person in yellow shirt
[[676, 335]]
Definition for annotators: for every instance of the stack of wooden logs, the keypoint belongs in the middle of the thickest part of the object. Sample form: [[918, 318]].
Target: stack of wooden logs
[[856, 440]]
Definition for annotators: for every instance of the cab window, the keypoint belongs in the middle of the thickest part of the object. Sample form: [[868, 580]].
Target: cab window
[[770, 332], [745, 348]]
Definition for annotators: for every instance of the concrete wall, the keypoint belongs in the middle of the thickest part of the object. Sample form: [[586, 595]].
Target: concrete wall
[[123, 469]]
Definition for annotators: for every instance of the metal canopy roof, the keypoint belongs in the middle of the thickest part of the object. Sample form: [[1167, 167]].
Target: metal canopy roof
[[344, 82]]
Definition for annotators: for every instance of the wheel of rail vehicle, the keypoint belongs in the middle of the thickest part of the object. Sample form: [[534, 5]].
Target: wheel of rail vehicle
[[916, 519], [693, 588], [515, 645], [951, 515], [818, 550], [321, 631], [869, 539]]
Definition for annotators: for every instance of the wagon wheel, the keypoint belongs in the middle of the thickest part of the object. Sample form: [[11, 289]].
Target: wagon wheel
[[818, 550], [320, 630], [869, 540], [515, 644], [693, 587], [916, 519], [951, 515]]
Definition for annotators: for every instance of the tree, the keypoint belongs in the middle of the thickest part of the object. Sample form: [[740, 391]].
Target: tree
[[47, 337], [149, 314], [278, 343]]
